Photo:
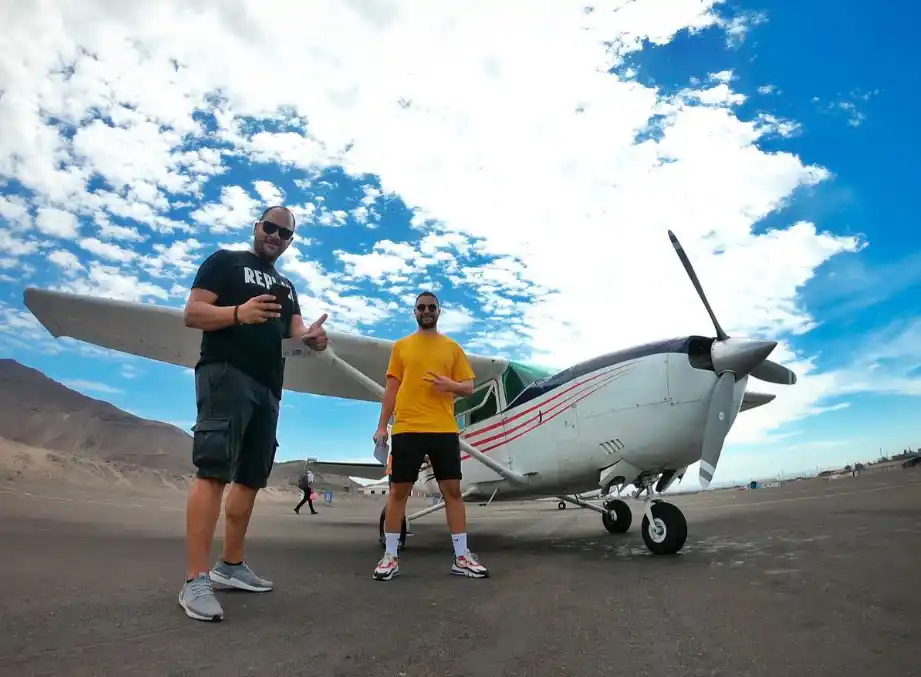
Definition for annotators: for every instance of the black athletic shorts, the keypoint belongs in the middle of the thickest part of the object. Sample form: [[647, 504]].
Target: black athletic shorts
[[234, 434], [408, 450]]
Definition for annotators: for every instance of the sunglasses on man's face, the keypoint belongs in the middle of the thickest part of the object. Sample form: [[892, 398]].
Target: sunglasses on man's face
[[432, 307], [284, 233]]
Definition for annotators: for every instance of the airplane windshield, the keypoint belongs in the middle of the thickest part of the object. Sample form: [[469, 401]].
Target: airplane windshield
[[519, 376]]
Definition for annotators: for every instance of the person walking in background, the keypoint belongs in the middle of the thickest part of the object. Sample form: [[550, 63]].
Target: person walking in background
[[306, 485], [244, 308], [427, 370]]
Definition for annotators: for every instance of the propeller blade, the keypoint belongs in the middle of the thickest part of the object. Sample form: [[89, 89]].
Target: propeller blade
[[774, 373], [718, 419], [722, 335]]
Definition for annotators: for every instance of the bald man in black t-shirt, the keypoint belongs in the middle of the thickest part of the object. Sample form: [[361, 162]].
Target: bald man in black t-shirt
[[238, 385]]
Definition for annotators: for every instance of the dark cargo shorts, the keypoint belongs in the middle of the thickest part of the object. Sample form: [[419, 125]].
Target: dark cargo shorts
[[408, 450], [234, 433]]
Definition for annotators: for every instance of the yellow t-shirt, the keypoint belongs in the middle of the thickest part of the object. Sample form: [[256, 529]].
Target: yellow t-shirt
[[419, 407]]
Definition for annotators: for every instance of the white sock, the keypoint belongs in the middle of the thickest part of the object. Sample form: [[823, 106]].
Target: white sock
[[460, 544], [393, 541]]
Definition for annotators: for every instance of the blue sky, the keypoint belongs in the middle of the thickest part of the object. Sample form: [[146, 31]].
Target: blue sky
[[527, 173]]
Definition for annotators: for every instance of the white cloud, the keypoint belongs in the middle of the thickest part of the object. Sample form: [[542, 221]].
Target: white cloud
[[236, 209], [106, 250], [67, 261], [500, 127], [269, 193], [110, 282], [92, 386], [848, 104], [116, 232], [15, 244], [19, 323], [455, 319], [57, 223], [15, 210]]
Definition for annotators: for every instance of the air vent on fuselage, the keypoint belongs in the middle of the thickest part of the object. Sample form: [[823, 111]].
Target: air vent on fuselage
[[611, 447], [699, 352]]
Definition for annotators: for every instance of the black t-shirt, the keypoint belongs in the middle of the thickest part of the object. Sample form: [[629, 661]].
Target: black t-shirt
[[255, 349]]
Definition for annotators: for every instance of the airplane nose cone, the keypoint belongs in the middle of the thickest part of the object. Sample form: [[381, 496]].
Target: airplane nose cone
[[740, 355]]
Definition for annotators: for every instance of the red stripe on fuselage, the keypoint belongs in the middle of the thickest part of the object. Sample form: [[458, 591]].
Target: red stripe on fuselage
[[524, 412], [542, 416]]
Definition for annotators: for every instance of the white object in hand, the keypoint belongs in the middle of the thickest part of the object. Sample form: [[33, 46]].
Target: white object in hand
[[381, 450]]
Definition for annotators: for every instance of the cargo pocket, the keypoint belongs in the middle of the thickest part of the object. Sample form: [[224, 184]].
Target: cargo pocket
[[211, 446]]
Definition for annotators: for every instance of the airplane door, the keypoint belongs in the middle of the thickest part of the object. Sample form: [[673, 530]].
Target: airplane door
[[566, 436], [543, 440]]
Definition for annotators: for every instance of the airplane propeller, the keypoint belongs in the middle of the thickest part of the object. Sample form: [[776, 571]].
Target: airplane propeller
[[733, 359]]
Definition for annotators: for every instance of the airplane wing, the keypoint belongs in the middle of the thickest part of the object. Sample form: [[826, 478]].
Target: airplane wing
[[368, 471], [159, 333], [750, 400]]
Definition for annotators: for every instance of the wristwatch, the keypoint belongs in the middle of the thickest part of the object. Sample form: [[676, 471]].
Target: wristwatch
[[236, 319]]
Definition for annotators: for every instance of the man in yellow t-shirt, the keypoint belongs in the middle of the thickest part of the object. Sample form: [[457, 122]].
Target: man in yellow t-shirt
[[427, 371]]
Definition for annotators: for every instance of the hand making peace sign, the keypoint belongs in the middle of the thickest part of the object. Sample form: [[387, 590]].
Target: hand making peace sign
[[440, 383]]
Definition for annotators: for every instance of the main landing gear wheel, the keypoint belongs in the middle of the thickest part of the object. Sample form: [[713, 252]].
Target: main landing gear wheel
[[383, 539], [617, 517], [669, 530], [561, 505]]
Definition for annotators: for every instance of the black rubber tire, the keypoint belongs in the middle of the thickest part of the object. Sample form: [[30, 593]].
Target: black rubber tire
[[382, 539], [623, 516], [561, 505], [676, 529]]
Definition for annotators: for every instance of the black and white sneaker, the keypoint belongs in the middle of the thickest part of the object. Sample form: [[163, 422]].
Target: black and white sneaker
[[387, 568], [467, 565]]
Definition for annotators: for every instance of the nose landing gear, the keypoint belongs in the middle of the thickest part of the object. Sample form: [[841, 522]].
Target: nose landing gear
[[664, 526], [667, 530]]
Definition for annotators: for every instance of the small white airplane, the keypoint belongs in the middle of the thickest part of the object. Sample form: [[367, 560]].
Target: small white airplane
[[638, 416]]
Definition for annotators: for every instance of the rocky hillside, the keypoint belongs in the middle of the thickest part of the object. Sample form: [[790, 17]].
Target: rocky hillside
[[40, 412]]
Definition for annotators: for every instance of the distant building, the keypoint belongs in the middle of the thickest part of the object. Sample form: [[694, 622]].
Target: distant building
[[382, 488], [885, 466]]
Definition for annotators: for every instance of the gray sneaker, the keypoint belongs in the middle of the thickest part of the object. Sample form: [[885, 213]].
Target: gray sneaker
[[198, 600], [239, 576]]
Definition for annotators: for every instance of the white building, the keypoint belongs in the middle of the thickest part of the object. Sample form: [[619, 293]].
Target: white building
[[381, 489]]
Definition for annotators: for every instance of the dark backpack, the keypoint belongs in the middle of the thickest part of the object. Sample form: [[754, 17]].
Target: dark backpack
[[302, 483]]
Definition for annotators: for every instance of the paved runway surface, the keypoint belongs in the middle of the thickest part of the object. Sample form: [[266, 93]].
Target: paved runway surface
[[817, 578]]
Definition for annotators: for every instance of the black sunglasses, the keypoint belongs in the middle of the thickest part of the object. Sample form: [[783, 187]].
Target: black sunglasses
[[284, 233], [431, 306]]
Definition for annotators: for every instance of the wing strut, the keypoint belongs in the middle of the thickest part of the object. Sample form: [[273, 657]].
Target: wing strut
[[294, 348]]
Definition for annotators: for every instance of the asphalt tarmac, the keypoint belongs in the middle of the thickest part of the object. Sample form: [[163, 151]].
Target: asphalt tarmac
[[813, 578]]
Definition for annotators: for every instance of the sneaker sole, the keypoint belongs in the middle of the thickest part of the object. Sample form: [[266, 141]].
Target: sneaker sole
[[234, 583], [214, 618], [469, 574], [386, 577]]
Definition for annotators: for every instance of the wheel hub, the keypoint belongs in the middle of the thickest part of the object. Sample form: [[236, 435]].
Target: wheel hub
[[657, 530]]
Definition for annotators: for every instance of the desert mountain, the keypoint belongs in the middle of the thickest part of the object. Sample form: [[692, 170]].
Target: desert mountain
[[40, 412]]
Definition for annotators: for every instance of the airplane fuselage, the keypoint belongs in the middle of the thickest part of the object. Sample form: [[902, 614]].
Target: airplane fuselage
[[614, 419]]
